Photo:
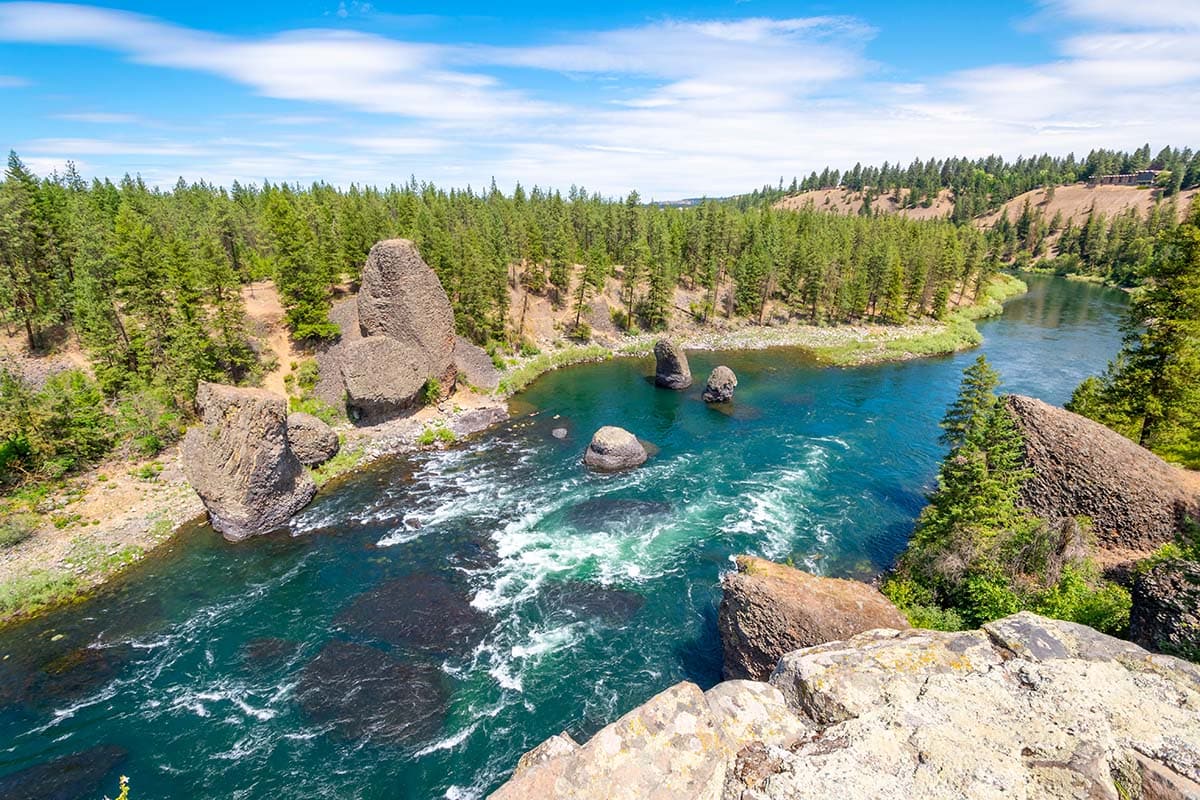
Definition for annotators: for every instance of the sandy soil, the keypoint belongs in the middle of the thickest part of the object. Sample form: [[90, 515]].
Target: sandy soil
[[846, 202], [264, 313]]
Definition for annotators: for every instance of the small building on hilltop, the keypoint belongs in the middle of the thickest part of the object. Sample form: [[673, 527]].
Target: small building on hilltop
[[1145, 177]]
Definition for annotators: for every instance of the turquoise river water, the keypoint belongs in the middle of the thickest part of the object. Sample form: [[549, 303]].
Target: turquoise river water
[[434, 617]]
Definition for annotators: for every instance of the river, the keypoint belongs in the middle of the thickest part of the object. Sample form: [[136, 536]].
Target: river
[[436, 616]]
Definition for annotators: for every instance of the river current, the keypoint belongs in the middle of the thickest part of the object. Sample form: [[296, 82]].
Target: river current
[[434, 617]]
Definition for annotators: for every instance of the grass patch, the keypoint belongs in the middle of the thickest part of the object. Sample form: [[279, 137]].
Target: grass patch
[[345, 460], [318, 408], [39, 590], [526, 373], [90, 555], [435, 433]]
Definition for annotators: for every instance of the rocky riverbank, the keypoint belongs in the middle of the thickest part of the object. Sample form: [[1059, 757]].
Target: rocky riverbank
[[1025, 707]]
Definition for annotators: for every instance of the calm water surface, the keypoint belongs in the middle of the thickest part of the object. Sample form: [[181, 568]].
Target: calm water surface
[[437, 616]]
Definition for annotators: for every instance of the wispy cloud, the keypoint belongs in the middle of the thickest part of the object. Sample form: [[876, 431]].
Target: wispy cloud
[[100, 118], [12, 82], [671, 107]]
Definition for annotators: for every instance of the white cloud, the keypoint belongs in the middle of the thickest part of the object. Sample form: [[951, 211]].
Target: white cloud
[[671, 107], [12, 82], [100, 118]]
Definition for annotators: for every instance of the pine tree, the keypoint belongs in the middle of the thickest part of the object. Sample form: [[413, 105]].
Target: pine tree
[[303, 285]]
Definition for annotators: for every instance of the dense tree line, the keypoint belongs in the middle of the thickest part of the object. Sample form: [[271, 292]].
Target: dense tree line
[[151, 280], [1151, 392], [983, 184]]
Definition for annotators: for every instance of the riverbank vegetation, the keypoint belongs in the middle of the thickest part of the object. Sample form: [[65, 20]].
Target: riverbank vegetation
[[976, 555]]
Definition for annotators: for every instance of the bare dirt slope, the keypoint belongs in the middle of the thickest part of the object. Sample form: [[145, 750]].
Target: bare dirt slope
[[1076, 201], [264, 315], [842, 201]]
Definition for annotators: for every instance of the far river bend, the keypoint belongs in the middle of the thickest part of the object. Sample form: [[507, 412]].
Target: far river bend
[[437, 616]]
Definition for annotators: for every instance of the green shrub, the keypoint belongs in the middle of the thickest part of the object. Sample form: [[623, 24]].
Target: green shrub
[[308, 374], [988, 597], [431, 392], [318, 408], [1079, 597]]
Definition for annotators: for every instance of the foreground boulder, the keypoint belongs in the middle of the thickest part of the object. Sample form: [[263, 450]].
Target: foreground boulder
[[768, 610], [614, 449], [474, 364], [311, 439], [239, 462], [401, 297], [720, 386], [1026, 708], [1166, 609], [382, 377], [671, 370], [1135, 500]]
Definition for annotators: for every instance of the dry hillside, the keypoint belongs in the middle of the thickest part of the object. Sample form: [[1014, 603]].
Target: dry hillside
[[843, 201], [1074, 202]]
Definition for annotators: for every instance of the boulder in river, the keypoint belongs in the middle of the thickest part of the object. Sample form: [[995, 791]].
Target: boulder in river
[[671, 370], [769, 609], [720, 385], [382, 377], [401, 297], [613, 449], [1135, 500], [311, 439], [1028, 707], [238, 460], [1166, 609]]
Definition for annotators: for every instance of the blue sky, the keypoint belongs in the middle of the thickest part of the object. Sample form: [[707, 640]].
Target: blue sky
[[675, 99]]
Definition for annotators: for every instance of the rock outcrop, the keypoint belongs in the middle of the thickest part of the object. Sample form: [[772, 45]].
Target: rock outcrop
[[720, 385], [238, 460], [1136, 501], [311, 439], [769, 609], [614, 449], [401, 297], [671, 370], [1166, 609], [1026, 708], [474, 364], [382, 377]]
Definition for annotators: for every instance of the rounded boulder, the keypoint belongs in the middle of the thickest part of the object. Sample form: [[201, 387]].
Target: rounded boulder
[[614, 449], [311, 439], [671, 370], [720, 386]]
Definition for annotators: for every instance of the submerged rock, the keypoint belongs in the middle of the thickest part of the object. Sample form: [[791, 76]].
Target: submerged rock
[[720, 385], [76, 674], [559, 433], [401, 298], [420, 611], [1135, 500], [269, 651], [382, 377], [365, 694], [73, 777], [1028, 707], [311, 439], [1166, 609], [606, 513], [671, 370], [614, 449], [590, 601], [768, 610], [474, 364], [238, 460]]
